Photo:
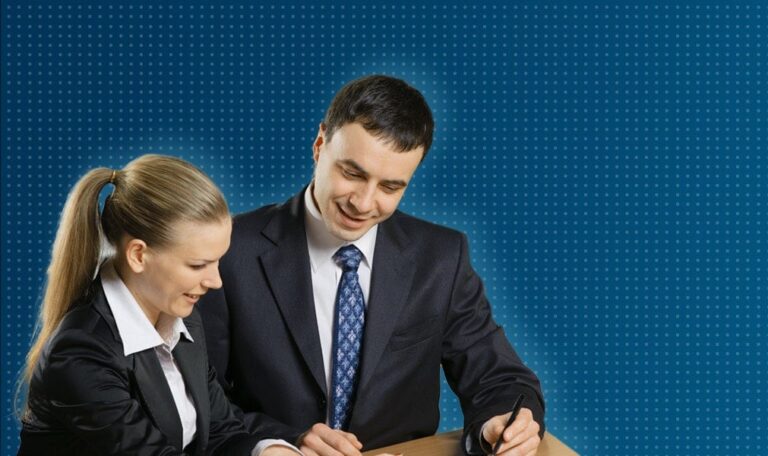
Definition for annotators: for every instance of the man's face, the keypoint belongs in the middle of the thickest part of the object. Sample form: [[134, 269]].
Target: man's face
[[359, 179]]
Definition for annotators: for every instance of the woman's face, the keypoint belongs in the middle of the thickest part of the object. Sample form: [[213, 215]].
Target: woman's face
[[173, 278]]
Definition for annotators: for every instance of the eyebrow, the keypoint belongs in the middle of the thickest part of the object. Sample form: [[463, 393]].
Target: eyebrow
[[359, 169]]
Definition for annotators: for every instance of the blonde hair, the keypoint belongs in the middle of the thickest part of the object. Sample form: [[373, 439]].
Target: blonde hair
[[150, 194]]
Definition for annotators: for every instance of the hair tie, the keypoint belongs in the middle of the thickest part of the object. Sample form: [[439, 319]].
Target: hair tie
[[112, 177]]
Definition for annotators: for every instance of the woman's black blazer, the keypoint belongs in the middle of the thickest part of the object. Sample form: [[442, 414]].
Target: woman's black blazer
[[87, 398]]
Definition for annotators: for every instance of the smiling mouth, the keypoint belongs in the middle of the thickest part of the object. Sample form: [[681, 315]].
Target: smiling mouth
[[194, 297], [346, 215]]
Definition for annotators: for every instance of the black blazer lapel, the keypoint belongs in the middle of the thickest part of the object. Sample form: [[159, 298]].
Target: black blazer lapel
[[194, 370], [147, 377], [156, 395], [393, 272], [289, 275]]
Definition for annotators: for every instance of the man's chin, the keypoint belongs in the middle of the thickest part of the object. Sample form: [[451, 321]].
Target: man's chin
[[348, 235]]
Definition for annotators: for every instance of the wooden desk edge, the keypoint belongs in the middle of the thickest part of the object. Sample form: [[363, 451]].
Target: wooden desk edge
[[447, 444]]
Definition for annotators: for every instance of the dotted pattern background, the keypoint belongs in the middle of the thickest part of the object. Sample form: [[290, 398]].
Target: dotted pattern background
[[606, 161]]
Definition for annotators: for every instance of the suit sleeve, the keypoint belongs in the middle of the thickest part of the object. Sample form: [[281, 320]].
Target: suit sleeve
[[214, 310], [481, 366], [227, 432], [88, 391]]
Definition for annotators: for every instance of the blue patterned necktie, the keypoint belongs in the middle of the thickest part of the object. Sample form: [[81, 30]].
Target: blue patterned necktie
[[347, 337]]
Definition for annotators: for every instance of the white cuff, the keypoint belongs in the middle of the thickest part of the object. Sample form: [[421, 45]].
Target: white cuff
[[266, 443]]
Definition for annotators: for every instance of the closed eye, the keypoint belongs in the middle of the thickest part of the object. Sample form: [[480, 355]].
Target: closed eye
[[390, 189], [351, 174]]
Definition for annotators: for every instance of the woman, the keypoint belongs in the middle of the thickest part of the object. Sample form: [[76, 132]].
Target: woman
[[119, 365]]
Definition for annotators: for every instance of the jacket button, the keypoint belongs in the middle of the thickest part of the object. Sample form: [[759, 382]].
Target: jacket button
[[322, 402]]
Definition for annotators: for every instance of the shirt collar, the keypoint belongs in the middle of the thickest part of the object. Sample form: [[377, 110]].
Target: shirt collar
[[322, 244], [134, 327]]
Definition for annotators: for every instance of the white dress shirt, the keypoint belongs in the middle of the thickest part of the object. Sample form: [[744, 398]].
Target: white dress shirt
[[138, 334], [326, 274]]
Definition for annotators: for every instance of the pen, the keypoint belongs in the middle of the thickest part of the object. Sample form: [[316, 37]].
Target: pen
[[515, 410]]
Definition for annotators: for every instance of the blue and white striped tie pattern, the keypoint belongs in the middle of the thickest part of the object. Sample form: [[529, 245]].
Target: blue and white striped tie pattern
[[347, 337]]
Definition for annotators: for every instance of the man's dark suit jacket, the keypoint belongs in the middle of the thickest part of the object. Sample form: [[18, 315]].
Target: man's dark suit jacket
[[87, 398], [426, 308]]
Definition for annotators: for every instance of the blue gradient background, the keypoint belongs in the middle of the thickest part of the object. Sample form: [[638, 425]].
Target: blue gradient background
[[607, 161]]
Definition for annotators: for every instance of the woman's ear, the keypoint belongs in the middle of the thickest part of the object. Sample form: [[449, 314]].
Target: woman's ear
[[136, 253]]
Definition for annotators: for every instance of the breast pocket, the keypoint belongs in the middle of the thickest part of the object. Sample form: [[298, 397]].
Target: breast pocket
[[414, 334]]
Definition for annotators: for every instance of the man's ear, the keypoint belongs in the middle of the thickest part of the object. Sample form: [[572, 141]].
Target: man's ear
[[319, 141], [136, 254]]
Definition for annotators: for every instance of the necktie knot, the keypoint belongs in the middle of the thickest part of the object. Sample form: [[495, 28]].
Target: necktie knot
[[348, 258]]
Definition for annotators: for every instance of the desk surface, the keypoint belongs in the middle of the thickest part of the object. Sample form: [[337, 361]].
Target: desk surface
[[448, 445]]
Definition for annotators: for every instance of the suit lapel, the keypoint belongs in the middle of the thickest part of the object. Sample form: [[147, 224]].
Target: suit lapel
[[288, 272], [147, 376], [390, 283], [156, 393], [194, 370]]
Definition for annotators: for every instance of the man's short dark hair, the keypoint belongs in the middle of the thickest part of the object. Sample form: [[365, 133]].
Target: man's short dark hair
[[387, 107]]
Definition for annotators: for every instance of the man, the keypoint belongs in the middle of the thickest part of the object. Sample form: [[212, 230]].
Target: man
[[338, 310]]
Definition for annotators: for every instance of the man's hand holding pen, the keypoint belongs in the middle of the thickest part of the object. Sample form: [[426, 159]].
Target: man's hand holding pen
[[514, 433]]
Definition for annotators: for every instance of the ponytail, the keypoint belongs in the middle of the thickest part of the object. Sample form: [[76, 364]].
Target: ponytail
[[74, 258]]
